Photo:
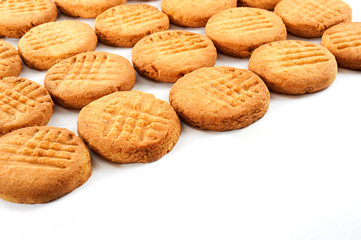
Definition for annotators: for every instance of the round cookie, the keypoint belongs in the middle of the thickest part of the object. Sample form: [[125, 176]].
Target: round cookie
[[125, 25], [83, 78], [238, 31], [194, 13], [23, 103], [19, 16], [294, 67], [265, 4], [310, 18], [86, 8], [10, 61], [169, 55], [344, 41], [40, 164], [220, 98], [129, 127], [45, 45]]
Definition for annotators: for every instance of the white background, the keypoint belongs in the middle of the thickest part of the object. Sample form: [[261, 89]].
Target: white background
[[295, 174]]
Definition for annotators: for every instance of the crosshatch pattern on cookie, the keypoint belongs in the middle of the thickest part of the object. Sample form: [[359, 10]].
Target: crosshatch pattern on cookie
[[86, 67], [139, 120], [39, 148], [319, 11], [245, 21], [131, 15], [174, 42], [19, 97], [349, 37], [23, 6], [297, 54], [6, 55], [227, 87], [50, 36]]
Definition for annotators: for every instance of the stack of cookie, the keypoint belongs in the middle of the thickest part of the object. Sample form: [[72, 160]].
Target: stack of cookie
[[39, 164]]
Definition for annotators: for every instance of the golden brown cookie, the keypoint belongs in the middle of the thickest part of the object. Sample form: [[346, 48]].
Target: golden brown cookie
[[220, 98], [129, 127], [169, 55], [125, 25], [40, 164], [19, 16], [23, 103], [86, 8], [83, 78], [344, 41], [238, 31], [10, 61], [194, 13], [294, 67], [310, 18], [45, 45], [265, 4]]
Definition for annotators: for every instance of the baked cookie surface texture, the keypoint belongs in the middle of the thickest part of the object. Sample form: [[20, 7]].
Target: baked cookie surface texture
[[169, 55], [83, 78], [194, 13], [129, 127], [265, 4], [86, 8], [294, 67], [19, 16], [40, 164], [220, 98], [125, 25], [238, 31], [344, 41], [10, 61], [23, 103], [45, 45], [310, 18]]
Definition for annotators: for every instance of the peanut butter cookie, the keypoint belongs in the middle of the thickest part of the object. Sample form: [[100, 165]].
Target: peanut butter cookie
[[23, 103], [194, 13], [129, 127], [294, 67], [169, 55], [310, 18], [19, 16], [125, 25], [344, 41], [45, 45], [220, 98], [10, 61], [86, 8], [238, 31], [83, 78], [40, 164]]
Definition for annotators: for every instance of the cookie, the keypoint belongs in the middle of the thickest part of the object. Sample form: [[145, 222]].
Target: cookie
[[23, 103], [81, 79], [194, 13], [169, 55], [238, 31], [294, 67], [50, 43], [265, 4], [19, 16], [344, 41], [220, 98], [125, 25], [310, 18], [86, 9], [129, 127], [10, 62], [40, 164]]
